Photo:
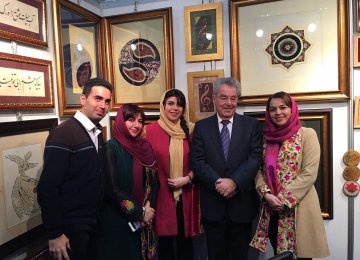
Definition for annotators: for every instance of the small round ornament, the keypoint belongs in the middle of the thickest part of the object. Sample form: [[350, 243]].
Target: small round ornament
[[351, 173], [351, 158], [351, 188]]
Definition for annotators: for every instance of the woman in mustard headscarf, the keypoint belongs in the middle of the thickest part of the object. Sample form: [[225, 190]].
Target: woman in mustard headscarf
[[177, 216]]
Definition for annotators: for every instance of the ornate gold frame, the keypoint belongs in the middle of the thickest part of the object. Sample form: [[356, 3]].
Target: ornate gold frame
[[65, 107], [22, 33], [23, 78], [343, 91], [168, 61], [189, 28]]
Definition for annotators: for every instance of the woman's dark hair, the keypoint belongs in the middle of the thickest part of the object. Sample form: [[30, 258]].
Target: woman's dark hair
[[131, 111], [181, 101], [283, 95]]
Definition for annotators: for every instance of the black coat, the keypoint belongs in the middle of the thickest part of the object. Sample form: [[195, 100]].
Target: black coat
[[243, 162]]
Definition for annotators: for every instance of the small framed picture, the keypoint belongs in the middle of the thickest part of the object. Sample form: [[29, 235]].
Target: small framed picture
[[357, 112], [203, 32], [201, 91], [356, 50]]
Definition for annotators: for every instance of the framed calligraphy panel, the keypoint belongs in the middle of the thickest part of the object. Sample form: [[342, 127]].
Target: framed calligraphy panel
[[25, 83], [320, 121], [141, 66], [24, 21], [200, 93], [79, 52], [203, 32]]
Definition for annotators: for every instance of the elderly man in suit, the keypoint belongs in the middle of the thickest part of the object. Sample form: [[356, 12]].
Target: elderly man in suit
[[226, 153]]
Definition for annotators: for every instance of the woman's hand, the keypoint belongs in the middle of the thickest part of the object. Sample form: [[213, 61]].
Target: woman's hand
[[149, 214], [178, 182], [274, 202]]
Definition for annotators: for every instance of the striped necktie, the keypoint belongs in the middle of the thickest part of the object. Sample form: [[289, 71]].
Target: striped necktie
[[225, 137]]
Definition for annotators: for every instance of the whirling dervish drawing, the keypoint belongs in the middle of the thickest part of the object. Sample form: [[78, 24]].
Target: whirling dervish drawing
[[24, 199]]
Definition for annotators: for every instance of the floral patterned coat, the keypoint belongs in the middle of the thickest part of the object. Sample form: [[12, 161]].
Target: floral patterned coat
[[301, 228]]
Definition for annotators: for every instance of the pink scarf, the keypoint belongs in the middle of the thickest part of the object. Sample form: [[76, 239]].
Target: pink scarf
[[141, 151], [274, 136]]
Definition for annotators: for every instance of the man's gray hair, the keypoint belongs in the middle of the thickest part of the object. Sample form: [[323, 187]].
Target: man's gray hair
[[229, 81]]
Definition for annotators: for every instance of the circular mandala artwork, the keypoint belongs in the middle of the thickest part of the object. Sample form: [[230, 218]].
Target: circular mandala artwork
[[81, 65], [139, 62], [288, 47]]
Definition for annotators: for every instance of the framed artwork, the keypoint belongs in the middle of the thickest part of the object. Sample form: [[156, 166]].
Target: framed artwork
[[321, 122], [203, 32], [24, 21], [356, 50], [357, 15], [303, 51], [141, 65], [25, 83], [78, 50], [200, 93], [21, 146], [148, 120], [357, 112]]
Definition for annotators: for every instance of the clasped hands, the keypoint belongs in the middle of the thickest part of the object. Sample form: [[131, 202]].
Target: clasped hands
[[274, 202], [226, 187]]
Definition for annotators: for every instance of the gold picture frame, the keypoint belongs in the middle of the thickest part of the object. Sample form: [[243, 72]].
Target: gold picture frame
[[321, 121], [79, 52], [140, 57], [357, 112], [200, 93], [25, 83], [24, 21], [356, 63], [322, 76], [203, 32]]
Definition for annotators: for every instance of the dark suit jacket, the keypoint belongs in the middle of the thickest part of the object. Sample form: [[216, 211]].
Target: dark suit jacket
[[243, 162]]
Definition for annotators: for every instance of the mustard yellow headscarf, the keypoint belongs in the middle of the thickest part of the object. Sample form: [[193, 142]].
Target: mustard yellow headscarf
[[177, 136]]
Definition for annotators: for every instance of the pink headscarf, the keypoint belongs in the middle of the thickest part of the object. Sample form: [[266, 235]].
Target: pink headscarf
[[274, 136]]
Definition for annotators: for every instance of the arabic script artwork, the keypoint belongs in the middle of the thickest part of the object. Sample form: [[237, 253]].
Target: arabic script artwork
[[17, 82], [288, 47], [20, 15], [21, 172]]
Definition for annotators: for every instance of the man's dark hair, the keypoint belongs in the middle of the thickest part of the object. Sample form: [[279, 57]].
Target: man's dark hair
[[95, 82]]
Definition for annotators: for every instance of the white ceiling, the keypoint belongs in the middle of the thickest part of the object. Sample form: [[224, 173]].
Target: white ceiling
[[104, 4]]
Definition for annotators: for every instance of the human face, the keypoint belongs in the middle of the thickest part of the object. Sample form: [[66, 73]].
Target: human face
[[173, 111], [279, 111], [225, 102], [96, 105], [135, 125]]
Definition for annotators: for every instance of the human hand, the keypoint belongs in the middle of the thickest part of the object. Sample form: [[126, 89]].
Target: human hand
[[274, 202], [178, 182], [58, 247], [149, 214], [226, 187]]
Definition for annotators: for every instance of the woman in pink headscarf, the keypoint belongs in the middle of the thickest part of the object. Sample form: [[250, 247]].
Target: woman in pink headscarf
[[290, 212]]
